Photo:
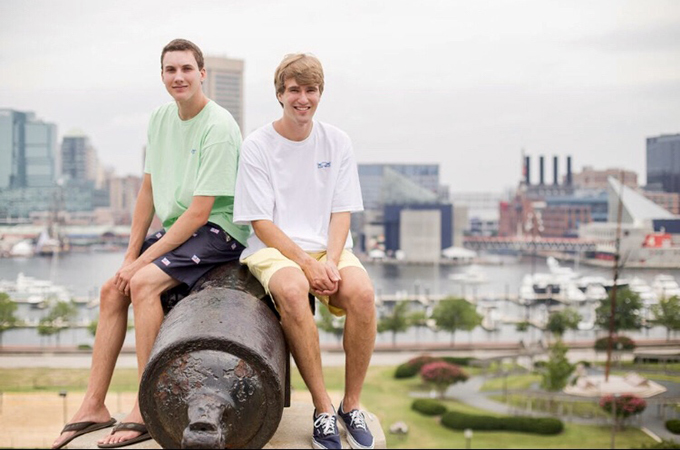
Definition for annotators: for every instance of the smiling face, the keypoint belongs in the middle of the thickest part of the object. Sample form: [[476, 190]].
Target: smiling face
[[299, 102], [181, 76]]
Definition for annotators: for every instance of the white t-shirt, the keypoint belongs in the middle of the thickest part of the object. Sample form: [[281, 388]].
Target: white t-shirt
[[296, 185]]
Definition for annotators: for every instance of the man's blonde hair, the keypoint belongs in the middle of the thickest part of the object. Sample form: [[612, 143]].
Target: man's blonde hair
[[305, 68]]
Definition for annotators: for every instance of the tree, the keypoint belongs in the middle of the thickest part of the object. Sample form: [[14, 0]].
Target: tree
[[441, 375], [667, 314], [627, 314], [557, 369], [8, 319], [626, 405], [418, 319], [331, 324], [452, 314], [396, 321], [60, 317], [561, 321]]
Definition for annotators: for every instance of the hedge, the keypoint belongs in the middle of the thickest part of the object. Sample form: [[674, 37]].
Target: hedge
[[673, 426], [428, 407], [542, 425], [626, 343], [412, 367]]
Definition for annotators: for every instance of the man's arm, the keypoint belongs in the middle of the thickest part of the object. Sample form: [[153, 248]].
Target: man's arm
[[337, 236], [320, 280], [186, 225]]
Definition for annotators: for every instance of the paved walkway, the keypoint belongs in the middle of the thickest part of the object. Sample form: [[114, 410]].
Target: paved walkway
[[469, 393]]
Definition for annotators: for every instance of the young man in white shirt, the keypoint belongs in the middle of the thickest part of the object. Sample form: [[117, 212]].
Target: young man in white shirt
[[297, 185]]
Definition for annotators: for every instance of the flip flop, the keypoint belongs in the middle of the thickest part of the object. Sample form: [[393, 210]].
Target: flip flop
[[83, 428], [132, 426]]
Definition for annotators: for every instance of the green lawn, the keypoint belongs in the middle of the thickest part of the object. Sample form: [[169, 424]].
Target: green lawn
[[514, 382], [384, 396]]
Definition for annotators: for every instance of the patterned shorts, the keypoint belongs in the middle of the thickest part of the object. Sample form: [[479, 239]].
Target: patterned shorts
[[209, 247]]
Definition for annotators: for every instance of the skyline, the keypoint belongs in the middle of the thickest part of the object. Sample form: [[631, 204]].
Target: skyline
[[467, 86]]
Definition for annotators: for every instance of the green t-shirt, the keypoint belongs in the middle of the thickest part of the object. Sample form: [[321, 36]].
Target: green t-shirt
[[193, 157]]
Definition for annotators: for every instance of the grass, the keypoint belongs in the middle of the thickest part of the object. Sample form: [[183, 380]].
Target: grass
[[45, 379], [384, 396], [514, 382], [585, 409]]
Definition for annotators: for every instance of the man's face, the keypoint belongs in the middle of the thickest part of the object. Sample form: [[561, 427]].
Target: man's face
[[299, 102], [181, 76]]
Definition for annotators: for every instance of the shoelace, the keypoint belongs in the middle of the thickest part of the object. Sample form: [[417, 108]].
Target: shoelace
[[358, 419], [327, 423]]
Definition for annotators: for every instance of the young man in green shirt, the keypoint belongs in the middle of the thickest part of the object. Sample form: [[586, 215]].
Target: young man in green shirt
[[190, 171]]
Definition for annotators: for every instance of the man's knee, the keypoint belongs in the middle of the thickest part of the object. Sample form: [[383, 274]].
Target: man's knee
[[361, 300], [141, 289], [292, 298], [111, 299]]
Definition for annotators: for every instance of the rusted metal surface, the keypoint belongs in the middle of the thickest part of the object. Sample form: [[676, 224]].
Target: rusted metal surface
[[216, 375]]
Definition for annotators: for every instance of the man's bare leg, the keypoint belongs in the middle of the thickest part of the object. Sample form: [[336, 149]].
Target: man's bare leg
[[146, 288], [109, 338], [355, 295], [290, 289]]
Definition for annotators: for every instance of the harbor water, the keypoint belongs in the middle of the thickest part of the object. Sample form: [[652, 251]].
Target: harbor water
[[84, 273]]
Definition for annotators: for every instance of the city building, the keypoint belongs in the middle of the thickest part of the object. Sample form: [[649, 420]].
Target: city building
[[404, 198], [384, 184], [649, 236], [590, 178], [27, 151], [481, 211], [663, 163], [123, 195], [79, 158], [224, 85], [667, 200]]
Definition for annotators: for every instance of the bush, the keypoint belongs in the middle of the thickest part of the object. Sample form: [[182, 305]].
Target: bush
[[460, 421], [412, 367], [673, 426], [428, 407], [585, 363], [626, 343], [84, 347], [626, 405]]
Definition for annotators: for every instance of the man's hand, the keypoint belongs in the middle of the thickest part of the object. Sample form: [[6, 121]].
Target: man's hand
[[323, 279], [125, 274]]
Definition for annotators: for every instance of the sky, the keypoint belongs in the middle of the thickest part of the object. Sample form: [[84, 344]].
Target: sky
[[469, 85]]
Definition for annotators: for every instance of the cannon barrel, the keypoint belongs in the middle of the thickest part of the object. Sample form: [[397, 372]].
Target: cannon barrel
[[216, 377]]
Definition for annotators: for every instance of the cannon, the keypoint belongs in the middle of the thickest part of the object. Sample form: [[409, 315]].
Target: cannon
[[219, 372]]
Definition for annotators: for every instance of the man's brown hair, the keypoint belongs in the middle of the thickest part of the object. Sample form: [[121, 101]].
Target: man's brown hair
[[305, 68], [180, 45]]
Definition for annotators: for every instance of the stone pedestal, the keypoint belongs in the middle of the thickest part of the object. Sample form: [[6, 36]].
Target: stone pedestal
[[294, 431]]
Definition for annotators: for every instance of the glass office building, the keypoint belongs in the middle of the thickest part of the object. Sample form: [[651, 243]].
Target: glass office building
[[663, 162]]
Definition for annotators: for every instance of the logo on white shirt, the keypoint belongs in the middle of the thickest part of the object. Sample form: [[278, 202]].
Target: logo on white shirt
[[193, 150], [323, 165]]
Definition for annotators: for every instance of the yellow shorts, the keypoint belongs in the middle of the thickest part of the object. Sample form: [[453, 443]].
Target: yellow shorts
[[264, 263]]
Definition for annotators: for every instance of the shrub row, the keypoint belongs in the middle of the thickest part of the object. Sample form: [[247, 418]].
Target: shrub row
[[673, 426], [536, 425], [428, 407]]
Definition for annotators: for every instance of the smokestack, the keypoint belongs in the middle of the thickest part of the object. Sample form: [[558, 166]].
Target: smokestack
[[540, 170], [527, 170], [555, 174], [568, 170]]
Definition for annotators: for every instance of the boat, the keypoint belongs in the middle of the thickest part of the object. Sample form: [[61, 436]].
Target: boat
[[666, 286], [22, 249], [473, 275], [34, 292]]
